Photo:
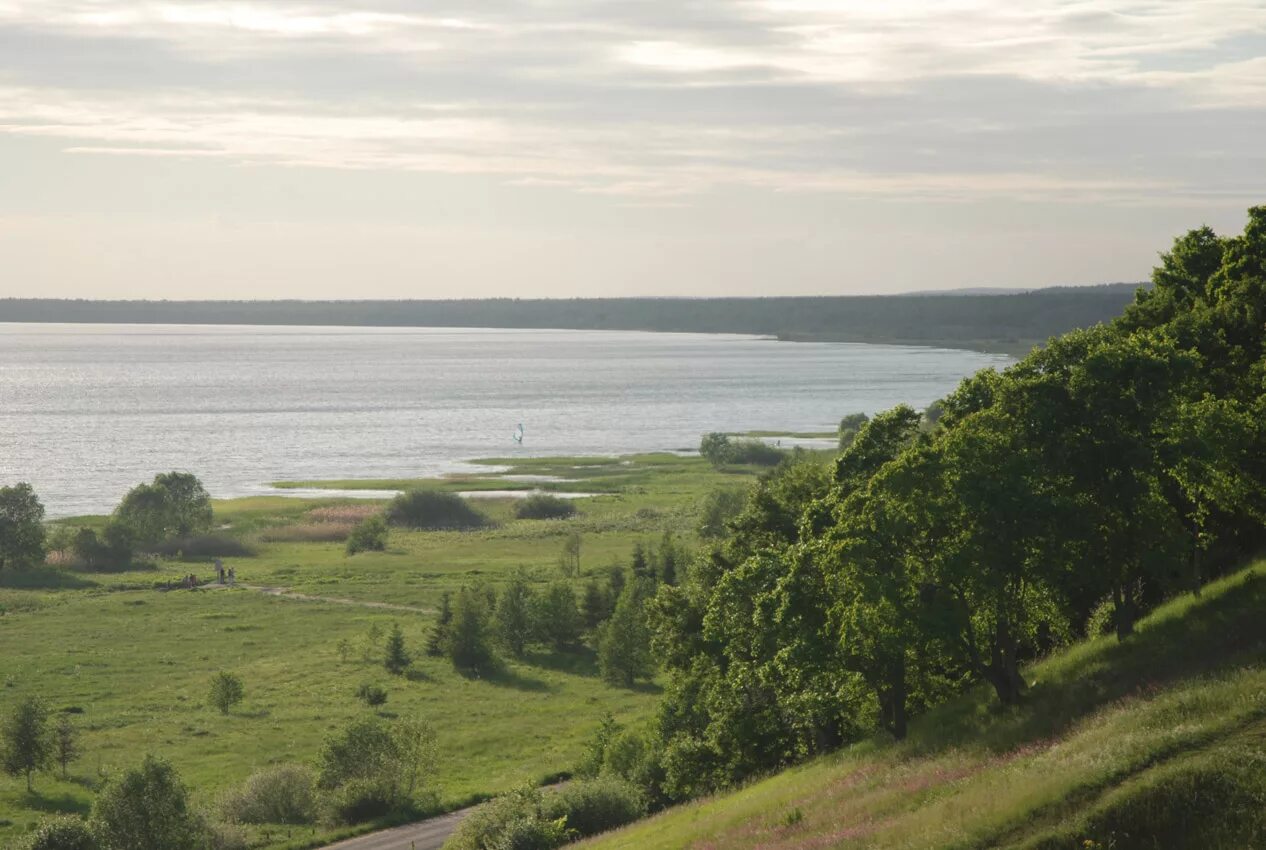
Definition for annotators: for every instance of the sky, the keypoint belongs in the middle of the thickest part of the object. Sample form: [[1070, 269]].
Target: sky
[[393, 149]]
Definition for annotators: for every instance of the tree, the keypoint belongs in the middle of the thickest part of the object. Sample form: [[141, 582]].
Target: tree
[[849, 426], [468, 643], [557, 617], [21, 528], [188, 503], [226, 691], [369, 536], [438, 641], [624, 647], [513, 617], [669, 556], [397, 658], [174, 505], [66, 744], [27, 745], [569, 559], [147, 808], [595, 605]]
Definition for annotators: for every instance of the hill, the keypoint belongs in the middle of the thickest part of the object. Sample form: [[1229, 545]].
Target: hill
[[1011, 322], [1157, 742]]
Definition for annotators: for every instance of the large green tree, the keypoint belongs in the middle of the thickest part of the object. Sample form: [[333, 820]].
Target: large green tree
[[21, 528]]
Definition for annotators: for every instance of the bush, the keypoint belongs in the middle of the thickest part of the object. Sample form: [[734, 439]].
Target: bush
[[226, 691], [360, 800], [528, 819], [370, 768], [369, 536], [371, 695], [719, 508], [592, 806], [282, 794], [849, 426], [174, 505], [542, 506], [112, 549], [513, 821], [203, 546], [60, 833], [719, 450], [147, 808], [432, 509]]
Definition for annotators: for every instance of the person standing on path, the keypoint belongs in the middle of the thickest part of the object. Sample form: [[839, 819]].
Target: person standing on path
[[219, 571]]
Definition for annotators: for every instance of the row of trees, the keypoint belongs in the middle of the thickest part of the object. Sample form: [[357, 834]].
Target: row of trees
[[1115, 467], [175, 506]]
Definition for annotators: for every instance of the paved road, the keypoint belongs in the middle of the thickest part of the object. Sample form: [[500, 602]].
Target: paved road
[[424, 835]]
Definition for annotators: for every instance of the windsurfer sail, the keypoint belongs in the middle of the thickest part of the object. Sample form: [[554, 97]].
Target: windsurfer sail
[[518, 434]]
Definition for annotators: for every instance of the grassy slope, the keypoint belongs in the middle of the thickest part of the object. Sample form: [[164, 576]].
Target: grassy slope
[[138, 661], [1156, 743]]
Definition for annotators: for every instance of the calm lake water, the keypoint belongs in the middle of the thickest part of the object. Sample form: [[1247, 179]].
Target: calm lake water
[[87, 411]]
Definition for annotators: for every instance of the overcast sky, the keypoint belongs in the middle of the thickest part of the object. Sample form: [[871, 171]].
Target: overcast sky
[[386, 148]]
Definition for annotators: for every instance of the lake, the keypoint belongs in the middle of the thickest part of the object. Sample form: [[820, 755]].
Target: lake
[[87, 411]]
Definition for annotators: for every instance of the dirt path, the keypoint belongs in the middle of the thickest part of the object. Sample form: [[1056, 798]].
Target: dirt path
[[423, 835], [286, 593]]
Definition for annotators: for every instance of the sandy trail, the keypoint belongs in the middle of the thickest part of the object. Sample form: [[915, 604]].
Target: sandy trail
[[286, 593]]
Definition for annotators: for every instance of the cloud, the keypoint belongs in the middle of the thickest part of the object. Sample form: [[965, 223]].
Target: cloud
[[656, 102]]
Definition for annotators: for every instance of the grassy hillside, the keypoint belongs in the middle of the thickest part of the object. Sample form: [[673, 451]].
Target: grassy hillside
[[1159, 742], [130, 662]]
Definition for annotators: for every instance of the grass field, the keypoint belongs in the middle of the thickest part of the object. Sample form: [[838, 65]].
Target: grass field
[[1156, 743], [133, 662]]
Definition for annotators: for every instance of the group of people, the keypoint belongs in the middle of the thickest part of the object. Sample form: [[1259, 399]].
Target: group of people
[[222, 577]]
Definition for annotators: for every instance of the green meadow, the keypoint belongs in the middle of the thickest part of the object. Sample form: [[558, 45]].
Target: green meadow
[[130, 661]]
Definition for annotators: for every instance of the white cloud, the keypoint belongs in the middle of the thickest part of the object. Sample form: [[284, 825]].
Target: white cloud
[[949, 99]]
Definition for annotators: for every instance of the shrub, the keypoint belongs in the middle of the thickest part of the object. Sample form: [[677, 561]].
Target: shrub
[[755, 452], [543, 506], [592, 806], [371, 694], [147, 808], [226, 691], [513, 821], [203, 546], [432, 509], [360, 800], [369, 536], [225, 836], [718, 509], [60, 833], [113, 548], [370, 768], [282, 794]]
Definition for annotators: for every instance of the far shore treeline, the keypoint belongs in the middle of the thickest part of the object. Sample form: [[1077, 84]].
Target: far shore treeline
[[1010, 322]]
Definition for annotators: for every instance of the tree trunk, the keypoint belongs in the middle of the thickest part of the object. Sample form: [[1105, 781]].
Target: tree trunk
[[897, 689], [1126, 612]]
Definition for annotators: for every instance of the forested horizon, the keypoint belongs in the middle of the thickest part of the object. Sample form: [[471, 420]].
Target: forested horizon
[[1005, 322]]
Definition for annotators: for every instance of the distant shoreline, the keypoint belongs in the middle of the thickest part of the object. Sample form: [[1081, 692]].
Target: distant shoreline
[[1010, 323]]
